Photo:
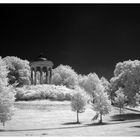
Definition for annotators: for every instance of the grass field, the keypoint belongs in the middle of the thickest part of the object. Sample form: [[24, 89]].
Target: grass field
[[53, 118]]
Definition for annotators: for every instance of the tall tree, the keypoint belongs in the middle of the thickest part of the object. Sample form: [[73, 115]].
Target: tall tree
[[137, 98], [65, 75], [99, 98], [6, 95], [19, 70], [127, 76], [106, 84], [89, 83]]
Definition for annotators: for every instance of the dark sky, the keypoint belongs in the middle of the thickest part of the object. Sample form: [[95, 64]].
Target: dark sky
[[90, 38]]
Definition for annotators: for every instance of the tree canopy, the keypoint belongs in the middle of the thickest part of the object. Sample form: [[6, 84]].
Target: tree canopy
[[6, 95], [89, 83], [101, 103], [19, 70], [127, 76], [64, 75]]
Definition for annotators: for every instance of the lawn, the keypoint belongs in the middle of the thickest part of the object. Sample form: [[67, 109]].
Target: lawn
[[53, 118]]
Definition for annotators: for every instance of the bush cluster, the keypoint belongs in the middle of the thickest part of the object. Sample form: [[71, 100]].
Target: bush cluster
[[52, 92]]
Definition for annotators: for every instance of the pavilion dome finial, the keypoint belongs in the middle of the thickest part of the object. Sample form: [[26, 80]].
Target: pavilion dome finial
[[41, 57]]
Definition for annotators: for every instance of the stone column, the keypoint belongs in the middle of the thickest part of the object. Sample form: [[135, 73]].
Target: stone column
[[32, 82], [50, 76], [35, 77], [47, 74], [41, 76]]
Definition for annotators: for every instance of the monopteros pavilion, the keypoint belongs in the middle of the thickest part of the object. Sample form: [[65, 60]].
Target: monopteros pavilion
[[41, 71]]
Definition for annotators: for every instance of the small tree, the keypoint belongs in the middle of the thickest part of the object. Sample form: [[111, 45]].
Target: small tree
[[120, 99], [101, 104], [78, 103]]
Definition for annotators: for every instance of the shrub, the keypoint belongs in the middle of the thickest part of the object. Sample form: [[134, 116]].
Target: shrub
[[51, 92]]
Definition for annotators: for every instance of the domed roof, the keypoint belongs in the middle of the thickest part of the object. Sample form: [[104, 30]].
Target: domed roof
[[40, 58]]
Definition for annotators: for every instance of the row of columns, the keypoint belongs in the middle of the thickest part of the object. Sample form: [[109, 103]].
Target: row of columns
[[43, 72]]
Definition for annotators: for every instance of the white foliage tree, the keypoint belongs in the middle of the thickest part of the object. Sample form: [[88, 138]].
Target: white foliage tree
[[120, 99], [6, 95], [127, 76], [19, 70], [99, 98], [56, 79], [89, 83], [78, 102], [6, 104], [101, 103], [106, 84], [65, 75], [137, 98]]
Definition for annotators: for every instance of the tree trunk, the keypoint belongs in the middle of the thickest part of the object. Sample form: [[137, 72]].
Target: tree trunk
[[3, 124], [120, 110], [77, 117], [101, 118]]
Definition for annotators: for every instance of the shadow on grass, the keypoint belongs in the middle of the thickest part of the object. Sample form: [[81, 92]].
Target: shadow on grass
[[70, 127], [115, 119], [70, 123], [131, 109], [56, 128], [41, 129], [124, 117], [98, 124], [136, 126]]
